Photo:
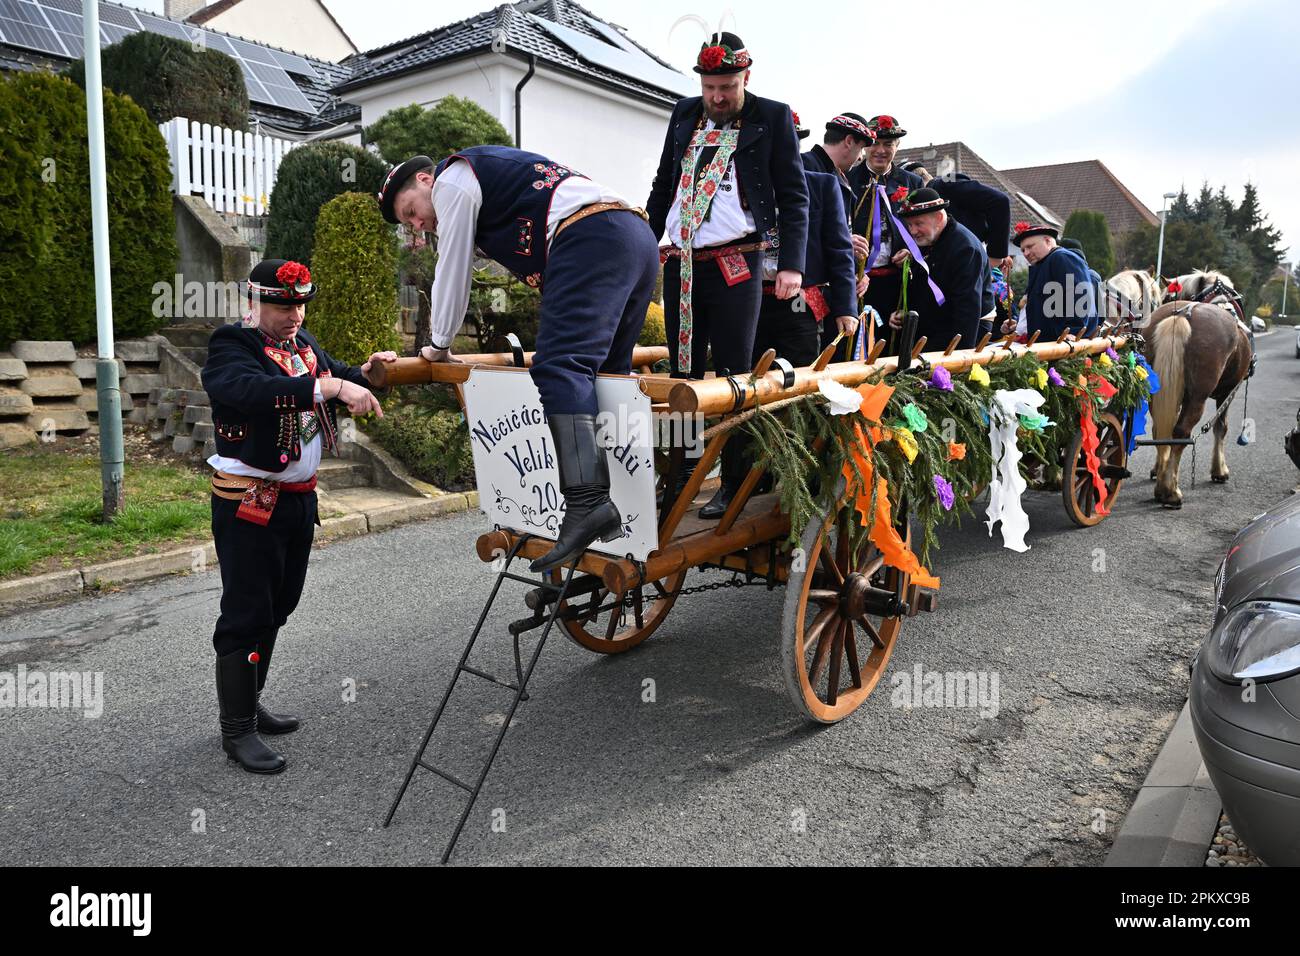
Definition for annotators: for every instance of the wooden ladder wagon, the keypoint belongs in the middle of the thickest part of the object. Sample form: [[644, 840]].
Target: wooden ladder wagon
[[844, 607]]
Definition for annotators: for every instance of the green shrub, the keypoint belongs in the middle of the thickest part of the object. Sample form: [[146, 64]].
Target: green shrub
[[308, 178], [45, 229], [170, 77], [1093, 233], [452, 125], [653, 332], [355, 310], [432, 443], [500, 303]]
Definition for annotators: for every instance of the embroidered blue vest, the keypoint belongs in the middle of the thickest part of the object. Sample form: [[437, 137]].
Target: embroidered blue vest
[[517, 187]]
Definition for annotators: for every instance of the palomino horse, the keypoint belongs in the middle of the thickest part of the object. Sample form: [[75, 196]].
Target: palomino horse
[[1200, 350], [1142, 292]]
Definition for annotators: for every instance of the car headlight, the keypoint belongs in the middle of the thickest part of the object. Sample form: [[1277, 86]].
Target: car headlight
[[1257, 640]]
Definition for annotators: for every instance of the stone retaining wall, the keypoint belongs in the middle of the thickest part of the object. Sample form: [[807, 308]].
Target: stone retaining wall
[[47, 389]]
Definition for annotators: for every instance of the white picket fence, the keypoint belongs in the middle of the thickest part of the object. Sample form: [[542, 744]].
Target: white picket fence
[[234, 171]]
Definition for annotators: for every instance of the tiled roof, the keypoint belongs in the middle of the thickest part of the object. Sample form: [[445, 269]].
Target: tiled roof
[[1085, 185], [965, 160], [520, 35]]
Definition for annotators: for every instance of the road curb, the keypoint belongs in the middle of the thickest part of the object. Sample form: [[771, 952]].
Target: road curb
[[201, 556], [1176, 813]]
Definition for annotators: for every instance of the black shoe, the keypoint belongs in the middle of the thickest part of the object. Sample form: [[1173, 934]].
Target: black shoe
[[717, 505], [584, 481], [237, 699], [267, 722], [688, 469]]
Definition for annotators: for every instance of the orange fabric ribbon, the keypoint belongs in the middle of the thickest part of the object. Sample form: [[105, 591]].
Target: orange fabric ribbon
[[883, 534]]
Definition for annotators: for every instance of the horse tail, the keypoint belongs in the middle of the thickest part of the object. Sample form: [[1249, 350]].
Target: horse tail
[[1169, 341]]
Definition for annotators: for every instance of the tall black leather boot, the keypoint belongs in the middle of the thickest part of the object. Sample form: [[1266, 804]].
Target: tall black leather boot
[[584, 480], [267, 722], [237, 698], [692, 446]]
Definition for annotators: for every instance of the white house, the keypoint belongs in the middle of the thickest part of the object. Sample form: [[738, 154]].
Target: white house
[[561, 81], [304, 26]]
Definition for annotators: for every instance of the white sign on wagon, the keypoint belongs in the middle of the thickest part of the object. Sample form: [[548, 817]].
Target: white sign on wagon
[[514, 456]]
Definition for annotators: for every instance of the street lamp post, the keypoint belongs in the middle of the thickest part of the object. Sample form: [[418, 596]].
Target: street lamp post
[[1285, 276], [1160, 249]]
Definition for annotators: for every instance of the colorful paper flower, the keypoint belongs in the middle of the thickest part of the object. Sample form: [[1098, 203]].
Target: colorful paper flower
[[1174, 287], [944, 490], [956, 451], [885, 122], [1140, 372], [1034, 422], [843, 400], [907, 441], [711, 57], [899, 194], [941, 379], [1112, 354], [1054, 377], [916, 420], [1132, 360], [1040, 376], [979, 376], [1022, 227], [1104, 360]]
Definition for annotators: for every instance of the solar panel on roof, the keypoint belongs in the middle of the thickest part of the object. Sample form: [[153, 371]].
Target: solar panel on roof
[[289, 97], [22, 12], [168, 28], [111, 34], [118, 16], [31, 37], [294, 63], [63, 22], [624, 59], [251, 51], [69, 6]]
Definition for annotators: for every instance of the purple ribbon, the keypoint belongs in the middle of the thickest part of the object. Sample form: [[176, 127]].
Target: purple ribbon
[[919, 259]]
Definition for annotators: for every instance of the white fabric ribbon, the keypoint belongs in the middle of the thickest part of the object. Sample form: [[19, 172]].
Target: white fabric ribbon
[[1006, 484]]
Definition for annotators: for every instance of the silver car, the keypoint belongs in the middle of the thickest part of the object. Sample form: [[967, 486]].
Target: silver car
[[1245, 693]]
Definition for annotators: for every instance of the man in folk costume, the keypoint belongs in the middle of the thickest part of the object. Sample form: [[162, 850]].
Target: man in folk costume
[[794, 326], [593, 258], [1059, 296], [879, 187], [729, 172], [986, 212], [273, 391], [957, 263], [840, 151]]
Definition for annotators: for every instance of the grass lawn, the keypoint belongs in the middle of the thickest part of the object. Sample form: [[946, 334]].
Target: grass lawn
[[51, 504]]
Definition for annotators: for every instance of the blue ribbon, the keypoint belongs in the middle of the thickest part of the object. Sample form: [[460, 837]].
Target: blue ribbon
[[1140, 413]]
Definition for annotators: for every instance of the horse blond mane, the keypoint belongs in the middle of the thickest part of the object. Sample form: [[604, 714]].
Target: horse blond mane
[[1198, 281]]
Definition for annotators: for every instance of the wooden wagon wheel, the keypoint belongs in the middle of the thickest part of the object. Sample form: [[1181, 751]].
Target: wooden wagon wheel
[[1077, 489], [843, 614], [607, 627]]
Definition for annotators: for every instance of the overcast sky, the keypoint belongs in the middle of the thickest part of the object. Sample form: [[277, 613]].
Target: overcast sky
[[1164, 93]]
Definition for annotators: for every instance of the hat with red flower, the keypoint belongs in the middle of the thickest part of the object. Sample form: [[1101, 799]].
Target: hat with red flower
[[280, 281], [1023, 230], [886, 127], [721, 54], [799, 129]]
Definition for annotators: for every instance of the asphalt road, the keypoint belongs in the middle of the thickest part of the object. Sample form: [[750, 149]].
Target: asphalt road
[[1089, 633]]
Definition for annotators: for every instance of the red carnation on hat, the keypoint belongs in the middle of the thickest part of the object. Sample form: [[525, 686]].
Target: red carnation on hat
[[899, 194], [796, 118], [1174, 286], [293, 274], [1022, 227], [711, 57], [886, 122]]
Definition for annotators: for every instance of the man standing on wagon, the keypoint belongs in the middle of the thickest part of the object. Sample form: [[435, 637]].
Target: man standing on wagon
[[593, 258], [730, 171]]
